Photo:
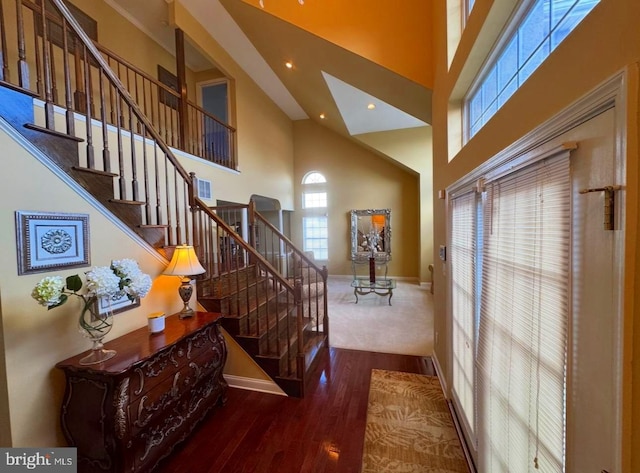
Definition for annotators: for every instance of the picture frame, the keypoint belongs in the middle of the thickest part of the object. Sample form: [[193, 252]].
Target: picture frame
[[119, 304], [47, 240]]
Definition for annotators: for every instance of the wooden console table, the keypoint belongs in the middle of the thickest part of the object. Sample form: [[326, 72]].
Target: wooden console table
[[126, 414]]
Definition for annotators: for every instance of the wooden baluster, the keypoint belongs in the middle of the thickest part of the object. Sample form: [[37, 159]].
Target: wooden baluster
[[182, 216], [134, 161], [70, 119], [106, 155], [175, 205], [157, 188], [23, 67], [4, 69], [172, 235], [88, 108], [54, 85], [39, 88], [145, 165], [46, 59], [182, 88], [112, 109], [79, 97], [137, 94], [122, 178], [128, 76]]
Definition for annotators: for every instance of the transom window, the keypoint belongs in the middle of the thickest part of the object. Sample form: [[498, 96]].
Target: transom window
[[314, 178], [545, 24]]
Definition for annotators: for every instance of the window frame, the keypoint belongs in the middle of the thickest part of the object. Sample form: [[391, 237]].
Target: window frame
[[513, 24], [315, 212]]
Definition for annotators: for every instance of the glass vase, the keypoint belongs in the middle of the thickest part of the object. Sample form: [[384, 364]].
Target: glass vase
[[95, 325]]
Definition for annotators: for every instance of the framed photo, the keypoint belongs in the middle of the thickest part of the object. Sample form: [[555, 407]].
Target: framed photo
[[47, 241], [117, 304]]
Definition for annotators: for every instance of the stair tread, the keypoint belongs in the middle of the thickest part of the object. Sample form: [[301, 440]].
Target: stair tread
[[94, 171], [32, 126], [127, 202]]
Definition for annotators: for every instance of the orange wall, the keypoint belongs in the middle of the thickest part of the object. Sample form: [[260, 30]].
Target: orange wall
[[397, 35]]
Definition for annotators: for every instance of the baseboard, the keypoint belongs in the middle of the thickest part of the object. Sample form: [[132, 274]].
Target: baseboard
[[349, 277], [438, 368], [454, 414], [252, 384]]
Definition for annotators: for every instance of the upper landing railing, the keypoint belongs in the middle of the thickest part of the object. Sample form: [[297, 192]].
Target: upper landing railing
[[43, 68]]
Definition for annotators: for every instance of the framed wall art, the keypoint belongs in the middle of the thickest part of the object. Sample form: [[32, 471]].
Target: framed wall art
[[47, 241], [116, 304]]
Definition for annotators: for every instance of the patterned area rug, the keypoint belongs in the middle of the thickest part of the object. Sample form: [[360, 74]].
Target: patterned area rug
[[409, 427]]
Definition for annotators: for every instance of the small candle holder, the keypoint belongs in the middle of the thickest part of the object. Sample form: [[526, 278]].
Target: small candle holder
[[156, 322]]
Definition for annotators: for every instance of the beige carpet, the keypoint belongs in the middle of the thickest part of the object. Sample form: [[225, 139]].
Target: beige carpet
[[405, 327], [409, 427]]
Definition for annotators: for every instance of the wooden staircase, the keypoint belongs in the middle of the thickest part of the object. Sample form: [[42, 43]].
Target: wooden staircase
[[270, 312]]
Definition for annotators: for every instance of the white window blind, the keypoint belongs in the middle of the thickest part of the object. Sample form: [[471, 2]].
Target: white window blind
[[522, 339], [462, 257]]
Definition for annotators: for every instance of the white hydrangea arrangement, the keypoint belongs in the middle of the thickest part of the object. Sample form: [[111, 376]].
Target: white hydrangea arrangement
[[123, 277]]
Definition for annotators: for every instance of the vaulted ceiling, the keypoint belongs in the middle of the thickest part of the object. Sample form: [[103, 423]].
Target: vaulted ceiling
[[346, 55]]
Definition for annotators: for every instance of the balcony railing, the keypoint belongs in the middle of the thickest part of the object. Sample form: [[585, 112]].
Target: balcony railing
[[53, 66]]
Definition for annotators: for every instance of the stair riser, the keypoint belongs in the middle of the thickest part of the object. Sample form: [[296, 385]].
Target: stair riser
[[275, 367], [229, 283]]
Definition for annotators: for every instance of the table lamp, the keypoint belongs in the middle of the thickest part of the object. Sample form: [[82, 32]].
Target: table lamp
[[184, 263]]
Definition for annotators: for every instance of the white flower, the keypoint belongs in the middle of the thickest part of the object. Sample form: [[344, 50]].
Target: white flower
[[48, 291], [133, 282], [102, 281], [138, 286], [123, 277], [125, 268]]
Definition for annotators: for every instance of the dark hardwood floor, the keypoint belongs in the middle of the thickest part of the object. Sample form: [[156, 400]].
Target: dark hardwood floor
[[324, 432]]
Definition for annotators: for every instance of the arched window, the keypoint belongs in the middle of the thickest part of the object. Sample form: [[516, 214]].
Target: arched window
[[314, 220]]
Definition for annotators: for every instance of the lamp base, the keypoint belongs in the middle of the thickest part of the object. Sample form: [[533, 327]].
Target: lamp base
[[186, 313], [186, 291]]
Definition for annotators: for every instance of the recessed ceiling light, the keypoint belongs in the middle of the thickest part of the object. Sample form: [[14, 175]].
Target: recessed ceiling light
[[289, 65], [322, 116], [371, 106]]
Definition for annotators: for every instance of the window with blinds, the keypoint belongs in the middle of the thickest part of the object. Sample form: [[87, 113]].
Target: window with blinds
[[510, 306], [462, 250], [524, 311]]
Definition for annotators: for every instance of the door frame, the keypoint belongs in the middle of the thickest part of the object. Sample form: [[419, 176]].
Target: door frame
[[217, 81]]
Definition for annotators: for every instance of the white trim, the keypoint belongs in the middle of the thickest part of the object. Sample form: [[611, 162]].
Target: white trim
[[620, 112], [81, 191], [602, 98], [443, 381], [411, 279], [252, 384], [127, 134]]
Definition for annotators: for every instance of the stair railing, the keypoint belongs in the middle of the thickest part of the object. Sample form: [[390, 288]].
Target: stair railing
[[148, 176], [45, 44], [244, 277], [295, 265]]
